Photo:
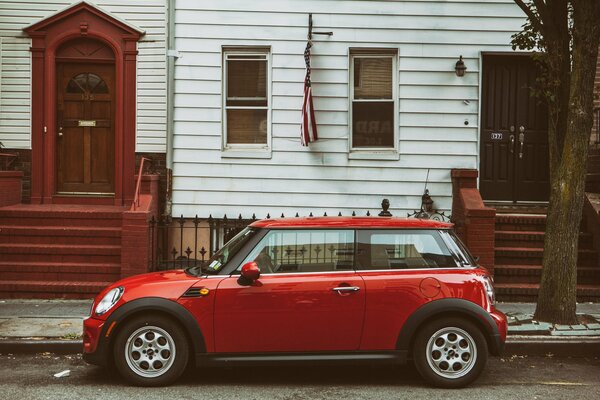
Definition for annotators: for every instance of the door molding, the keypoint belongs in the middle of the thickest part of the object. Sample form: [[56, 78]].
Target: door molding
[[81, 20]]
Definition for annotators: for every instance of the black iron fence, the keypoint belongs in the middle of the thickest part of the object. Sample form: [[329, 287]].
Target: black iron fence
[[186, 242]]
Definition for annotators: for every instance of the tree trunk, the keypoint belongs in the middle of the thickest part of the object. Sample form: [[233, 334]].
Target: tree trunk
[[558, 290]]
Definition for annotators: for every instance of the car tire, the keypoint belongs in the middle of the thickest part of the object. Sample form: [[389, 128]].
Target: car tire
[[151, 351], [450, 352]]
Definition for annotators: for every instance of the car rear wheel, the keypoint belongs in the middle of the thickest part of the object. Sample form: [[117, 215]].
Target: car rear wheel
[[151, 351], [450, 352]]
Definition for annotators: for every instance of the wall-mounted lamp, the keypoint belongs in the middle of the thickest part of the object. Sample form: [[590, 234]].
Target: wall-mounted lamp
[[460, 67]]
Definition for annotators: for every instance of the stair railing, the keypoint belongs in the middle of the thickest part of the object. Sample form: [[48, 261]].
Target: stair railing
[[138, 186]]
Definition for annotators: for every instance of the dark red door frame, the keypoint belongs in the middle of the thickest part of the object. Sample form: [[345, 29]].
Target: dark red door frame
[[47, 36]]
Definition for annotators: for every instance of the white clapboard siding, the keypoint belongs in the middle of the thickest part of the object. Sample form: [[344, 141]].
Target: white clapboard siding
[[15, 87], [438, 113]]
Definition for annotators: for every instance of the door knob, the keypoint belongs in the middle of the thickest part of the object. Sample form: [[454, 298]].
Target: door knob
[[512, 144]]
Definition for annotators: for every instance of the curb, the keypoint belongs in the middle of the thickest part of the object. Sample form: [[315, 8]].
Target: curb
[[532, 345], [30, 346], [517, 344]]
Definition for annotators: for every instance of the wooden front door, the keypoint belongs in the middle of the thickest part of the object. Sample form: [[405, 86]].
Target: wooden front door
[[514, 132], [85, 149]]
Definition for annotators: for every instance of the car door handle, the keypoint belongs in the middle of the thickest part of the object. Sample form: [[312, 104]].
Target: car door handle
[[342, 289]]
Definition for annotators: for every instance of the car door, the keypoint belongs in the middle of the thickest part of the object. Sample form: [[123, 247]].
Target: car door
[[399, 267], [307, 299]]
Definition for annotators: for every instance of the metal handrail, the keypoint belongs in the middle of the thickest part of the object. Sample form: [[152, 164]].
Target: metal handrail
[[138, 186]]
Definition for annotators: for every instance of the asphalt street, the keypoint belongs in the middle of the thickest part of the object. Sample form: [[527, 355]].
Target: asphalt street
[[31, 377]]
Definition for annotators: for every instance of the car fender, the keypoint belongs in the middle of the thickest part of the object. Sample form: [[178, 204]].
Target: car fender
[[455, 307], [165, 306]]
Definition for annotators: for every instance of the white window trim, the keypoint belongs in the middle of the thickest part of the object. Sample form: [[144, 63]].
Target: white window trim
[[382, 153], [245, 150]]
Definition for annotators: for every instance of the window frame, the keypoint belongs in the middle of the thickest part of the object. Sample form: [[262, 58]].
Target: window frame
[[246, 149], [393, 54]]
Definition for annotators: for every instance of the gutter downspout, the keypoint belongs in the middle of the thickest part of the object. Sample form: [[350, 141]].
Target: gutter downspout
[[172, 55]]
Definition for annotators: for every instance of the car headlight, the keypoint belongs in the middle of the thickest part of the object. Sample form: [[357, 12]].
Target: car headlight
[[489, 290], [109, 300]]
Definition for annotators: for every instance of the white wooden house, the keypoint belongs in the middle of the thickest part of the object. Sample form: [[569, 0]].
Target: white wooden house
[[392, 62]]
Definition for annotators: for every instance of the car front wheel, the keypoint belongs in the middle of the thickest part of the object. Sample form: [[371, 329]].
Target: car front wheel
[[450, 352], [151, 351]]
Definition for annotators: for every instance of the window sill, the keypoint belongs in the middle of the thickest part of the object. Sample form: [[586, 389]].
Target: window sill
[[245, 153], [391, 155]]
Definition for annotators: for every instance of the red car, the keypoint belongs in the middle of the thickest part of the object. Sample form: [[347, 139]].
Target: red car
[[312, 290]]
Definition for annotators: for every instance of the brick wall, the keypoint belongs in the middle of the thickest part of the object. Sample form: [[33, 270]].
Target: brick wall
[[22, 163], [474, 222], [10, 187]]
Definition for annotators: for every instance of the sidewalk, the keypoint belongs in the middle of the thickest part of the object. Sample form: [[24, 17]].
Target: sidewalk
[[34, 326]]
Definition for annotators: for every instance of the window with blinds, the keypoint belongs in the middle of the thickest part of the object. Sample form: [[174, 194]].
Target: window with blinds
[[246, 99], [373, 100]]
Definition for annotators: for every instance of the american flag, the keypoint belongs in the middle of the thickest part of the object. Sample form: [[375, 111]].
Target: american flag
[[308, 127]]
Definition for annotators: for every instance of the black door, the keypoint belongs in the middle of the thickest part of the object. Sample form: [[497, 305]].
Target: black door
[[514, 131]]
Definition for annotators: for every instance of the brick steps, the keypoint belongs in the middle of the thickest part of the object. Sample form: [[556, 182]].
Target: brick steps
[[519, 250], [60, 235], [90, 272], [59, 251], [534, 239], [47, 289], [533, 273], [527, 292], [511, 222], [533, 256]]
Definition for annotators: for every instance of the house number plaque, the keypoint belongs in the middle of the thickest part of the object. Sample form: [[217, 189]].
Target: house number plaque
[[496, 136], [86, 122]]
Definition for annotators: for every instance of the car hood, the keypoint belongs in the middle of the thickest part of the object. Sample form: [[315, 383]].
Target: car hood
[[166, 284]]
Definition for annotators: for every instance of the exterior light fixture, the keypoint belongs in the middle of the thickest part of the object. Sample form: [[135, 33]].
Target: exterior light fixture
[[460, 67]]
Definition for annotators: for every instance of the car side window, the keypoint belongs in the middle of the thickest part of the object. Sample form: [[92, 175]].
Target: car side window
[[304, 250], [402, 249]]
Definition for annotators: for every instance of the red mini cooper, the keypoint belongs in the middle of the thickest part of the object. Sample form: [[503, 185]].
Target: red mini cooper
[[312, 290]]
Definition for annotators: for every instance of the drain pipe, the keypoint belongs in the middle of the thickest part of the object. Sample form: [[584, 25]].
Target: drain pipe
[[172, 55]]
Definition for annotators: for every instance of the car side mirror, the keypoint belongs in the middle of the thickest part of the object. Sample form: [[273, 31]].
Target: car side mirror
[[250, 273]]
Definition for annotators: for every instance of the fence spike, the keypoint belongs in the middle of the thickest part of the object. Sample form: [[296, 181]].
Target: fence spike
[[268, 216], [282, 216], [325, 214], [354, 213], [297, 215], [310, 215], [368, 214], [340, 214]]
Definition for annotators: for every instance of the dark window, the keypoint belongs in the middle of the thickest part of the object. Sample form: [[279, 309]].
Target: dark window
[[87, 83], [288, 251], [246, 100], [373, 101], [402, 249]]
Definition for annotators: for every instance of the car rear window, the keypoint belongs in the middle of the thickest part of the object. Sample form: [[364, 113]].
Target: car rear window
[[401, 249]]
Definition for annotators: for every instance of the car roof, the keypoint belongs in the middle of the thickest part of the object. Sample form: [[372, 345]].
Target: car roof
[[350, 222]]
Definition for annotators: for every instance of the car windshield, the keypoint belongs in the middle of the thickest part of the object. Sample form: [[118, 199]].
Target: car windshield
[[221, 257]]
